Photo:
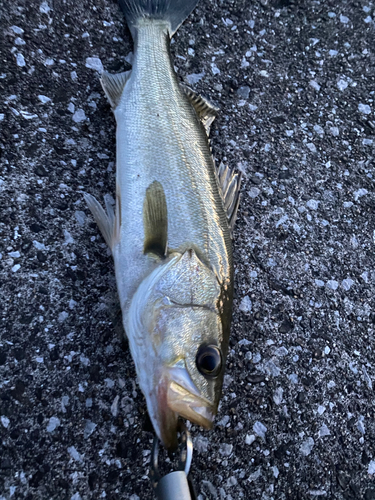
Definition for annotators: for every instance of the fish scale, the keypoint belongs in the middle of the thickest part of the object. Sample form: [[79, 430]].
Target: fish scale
[[159, 138], [171, 233]]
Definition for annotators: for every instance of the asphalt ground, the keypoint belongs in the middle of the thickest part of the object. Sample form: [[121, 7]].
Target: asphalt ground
[[295, 84]]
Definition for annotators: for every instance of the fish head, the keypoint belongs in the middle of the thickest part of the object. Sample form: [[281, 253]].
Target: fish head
[[181, 350]]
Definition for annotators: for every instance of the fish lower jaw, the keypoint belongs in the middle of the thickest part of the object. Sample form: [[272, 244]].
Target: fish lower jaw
[[195, 409]]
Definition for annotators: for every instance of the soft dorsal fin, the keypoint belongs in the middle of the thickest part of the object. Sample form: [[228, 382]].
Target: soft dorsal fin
[[113, 86], [155, 220], [205, 110], [230, 184]]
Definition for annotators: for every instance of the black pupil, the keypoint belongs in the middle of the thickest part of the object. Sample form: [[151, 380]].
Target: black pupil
[[209, 362]]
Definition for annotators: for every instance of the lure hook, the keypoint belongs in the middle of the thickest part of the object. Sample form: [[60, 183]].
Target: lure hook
[[174, 485]]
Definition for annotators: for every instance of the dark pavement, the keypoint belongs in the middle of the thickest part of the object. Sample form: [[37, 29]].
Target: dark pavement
[[295, 84]]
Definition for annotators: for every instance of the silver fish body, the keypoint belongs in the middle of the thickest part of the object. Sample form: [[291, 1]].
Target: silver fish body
[[160, 138], [170, 237]]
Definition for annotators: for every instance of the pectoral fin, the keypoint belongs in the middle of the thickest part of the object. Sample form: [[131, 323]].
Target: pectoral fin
[[204, 109], [155, 220], [113, 86]]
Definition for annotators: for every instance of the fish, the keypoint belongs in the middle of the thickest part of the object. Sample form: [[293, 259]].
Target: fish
[[170, 232]]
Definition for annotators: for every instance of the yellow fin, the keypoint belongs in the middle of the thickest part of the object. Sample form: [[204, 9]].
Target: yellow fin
[[155, 220]]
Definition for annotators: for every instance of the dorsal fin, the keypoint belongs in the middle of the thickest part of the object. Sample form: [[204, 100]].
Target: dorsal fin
[[205, 110], [113, 86], [230, 184], [155, 220]]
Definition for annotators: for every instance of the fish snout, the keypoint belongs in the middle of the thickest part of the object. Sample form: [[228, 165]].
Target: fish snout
[[194, 408], [184, 398], [178, 396]]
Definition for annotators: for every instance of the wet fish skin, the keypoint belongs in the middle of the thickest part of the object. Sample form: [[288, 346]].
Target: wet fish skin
[[170, 236]]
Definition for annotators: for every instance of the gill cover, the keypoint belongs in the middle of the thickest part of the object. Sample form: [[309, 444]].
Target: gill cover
[[171, 316]]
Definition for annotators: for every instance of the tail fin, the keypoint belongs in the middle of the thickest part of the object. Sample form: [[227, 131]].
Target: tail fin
[[174, 11]]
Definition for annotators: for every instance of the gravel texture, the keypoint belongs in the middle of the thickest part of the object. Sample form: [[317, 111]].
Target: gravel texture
[[295, 84]]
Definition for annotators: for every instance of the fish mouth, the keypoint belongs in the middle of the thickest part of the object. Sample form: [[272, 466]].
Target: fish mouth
[[184, 398], [177, 396]]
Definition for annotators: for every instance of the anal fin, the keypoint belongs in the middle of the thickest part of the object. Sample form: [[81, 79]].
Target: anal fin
[[204, 109], [155, 220], [113, 86]]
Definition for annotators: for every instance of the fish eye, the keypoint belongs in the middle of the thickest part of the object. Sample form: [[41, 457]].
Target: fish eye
[[209, 361]]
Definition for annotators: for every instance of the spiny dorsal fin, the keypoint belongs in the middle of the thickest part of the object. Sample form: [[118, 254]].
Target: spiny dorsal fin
[[205, 110], [155, 220], [230, 184], [113, 86]]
